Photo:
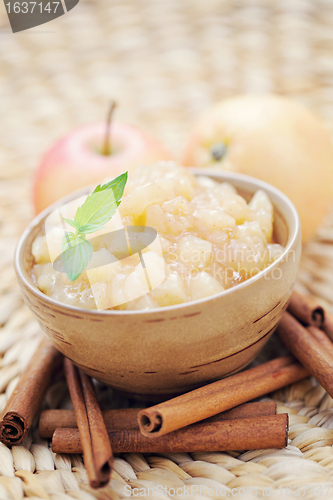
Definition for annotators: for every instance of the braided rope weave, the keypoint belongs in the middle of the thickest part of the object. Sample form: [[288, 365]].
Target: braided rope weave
[[164, 62]]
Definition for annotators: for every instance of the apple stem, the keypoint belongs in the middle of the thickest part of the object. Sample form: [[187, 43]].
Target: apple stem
[[106, 149]]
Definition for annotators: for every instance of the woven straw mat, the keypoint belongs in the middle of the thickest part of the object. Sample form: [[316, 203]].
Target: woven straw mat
[[164, 61]]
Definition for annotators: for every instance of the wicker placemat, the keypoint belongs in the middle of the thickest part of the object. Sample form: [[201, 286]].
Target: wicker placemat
[[164, 62]]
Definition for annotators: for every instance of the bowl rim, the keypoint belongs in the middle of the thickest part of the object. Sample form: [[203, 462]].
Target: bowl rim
[[224, 176]]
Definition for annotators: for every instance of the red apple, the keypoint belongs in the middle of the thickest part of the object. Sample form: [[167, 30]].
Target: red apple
[[274, 139], [76, 160]]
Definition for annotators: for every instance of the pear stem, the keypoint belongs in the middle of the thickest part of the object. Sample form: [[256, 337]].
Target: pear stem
[[106, 149]]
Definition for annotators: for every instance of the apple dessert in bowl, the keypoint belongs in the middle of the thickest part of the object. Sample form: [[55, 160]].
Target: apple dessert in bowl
[[182, 285]]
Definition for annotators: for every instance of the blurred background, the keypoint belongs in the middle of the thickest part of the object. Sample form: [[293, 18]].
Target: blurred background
[[164, 62]]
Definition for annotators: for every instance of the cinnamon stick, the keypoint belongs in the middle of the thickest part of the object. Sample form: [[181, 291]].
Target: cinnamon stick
[[328, 325], [322, 338], [246, 410], [306, 310], [220, 396], [308, 350], [238, 434], [50, 420], [97, 451], [22, 406], [127, 418]]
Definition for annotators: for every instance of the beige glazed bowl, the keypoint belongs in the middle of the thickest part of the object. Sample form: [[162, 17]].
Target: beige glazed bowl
[[172, 349]]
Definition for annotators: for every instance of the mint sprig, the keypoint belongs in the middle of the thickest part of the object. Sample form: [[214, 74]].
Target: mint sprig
[[76, 253], [97, 210]]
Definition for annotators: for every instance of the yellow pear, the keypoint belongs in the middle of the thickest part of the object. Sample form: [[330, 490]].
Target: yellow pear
[[274, 139]]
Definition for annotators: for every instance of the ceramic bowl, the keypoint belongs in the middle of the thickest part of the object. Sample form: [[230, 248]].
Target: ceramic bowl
[[172, 349]]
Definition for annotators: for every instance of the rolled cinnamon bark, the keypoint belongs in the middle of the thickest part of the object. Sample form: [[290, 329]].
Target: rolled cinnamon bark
[[219, 396], [246, 410], [322, 338], [238, 434], [50, 420], [313, 355], [102, 451], [26, 399], [328, 325], [306, 310], [127, 418], [97, 451]]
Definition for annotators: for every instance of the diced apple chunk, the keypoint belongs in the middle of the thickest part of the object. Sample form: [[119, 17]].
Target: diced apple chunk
[[101, 258], [166, 223], [135, 286], [156, 218], [116, 291], [206, 182], [247, 252], [101, 298], [263, 208], [184, 187], [144, 302], [194, 251], [167, 245], [102, 267], [40, 250], [214, 219], [171, 291], [203, 285], [153, 270], [235, 206], [54, 237], [47, 279], [249, 231], [226, 189], [142, 197], [177, 206], [145, 277]]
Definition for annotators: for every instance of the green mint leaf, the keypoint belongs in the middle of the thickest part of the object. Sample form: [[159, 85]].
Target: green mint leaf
[[98, 208], [72, 223], [91, 227], [75, 255], [117, 185]]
